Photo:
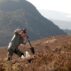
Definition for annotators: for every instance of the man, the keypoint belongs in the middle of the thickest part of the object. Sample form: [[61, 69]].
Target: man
[[20, 35]]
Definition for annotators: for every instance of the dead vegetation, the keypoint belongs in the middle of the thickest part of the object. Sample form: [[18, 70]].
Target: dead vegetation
[[52, 56]]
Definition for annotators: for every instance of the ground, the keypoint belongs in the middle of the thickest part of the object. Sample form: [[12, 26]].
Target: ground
[[51, 54]]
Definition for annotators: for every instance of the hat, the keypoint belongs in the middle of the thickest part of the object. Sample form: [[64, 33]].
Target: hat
[[19, 30]]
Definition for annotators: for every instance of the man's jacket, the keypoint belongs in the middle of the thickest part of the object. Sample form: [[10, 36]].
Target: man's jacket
[[15, 41]]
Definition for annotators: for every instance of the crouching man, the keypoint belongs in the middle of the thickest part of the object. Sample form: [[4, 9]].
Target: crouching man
[[17, 39]]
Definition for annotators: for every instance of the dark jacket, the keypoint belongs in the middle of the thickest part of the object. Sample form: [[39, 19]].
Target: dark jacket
[[15, 42]]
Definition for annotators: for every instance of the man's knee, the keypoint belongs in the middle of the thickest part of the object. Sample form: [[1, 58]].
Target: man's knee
[[9, 56]]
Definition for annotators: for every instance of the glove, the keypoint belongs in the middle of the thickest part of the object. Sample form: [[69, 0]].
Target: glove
[[32, 50]]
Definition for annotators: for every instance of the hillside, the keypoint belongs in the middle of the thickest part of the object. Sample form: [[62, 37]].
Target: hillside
[[52, 54], [21, 13], [63, 23], [68, 31]]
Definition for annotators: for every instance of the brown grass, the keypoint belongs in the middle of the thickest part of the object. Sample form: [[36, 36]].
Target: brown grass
[[55, 56]]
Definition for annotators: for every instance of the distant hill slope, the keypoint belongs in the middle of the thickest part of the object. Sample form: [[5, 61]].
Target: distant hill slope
[[68, 31], [63, 23], [51, 54], [19, 14]]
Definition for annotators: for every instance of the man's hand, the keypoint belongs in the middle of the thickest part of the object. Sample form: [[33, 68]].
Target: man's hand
[[32, 50]]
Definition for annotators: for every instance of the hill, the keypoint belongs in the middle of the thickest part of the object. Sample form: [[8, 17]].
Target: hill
[[63, 23], [52, 54], [68, 31], [21, 13]]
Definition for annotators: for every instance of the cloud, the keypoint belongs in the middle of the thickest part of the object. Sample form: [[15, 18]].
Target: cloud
[[56, 5], [69, 16]]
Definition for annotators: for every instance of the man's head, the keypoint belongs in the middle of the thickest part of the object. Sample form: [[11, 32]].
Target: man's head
[[21, 32]]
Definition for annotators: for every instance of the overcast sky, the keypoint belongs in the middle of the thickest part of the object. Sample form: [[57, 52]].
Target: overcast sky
[[57, 5], [63, 6]]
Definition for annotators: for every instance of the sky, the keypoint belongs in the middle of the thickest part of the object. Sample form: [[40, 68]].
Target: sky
[[56, 5], [62, 6]]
